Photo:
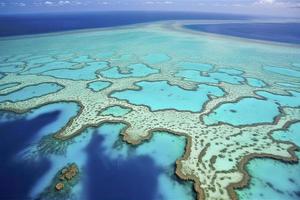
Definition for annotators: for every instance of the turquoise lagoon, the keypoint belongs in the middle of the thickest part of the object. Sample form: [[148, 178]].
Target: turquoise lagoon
[[247, 111], [135, 70], [88, 72], [8, 85], [291, 100], [48, 66], [283, 71], [272, 179], [195, 66], [292, 134], [213, 77], [147, 65], [31, 91], [97, 86], [289, 85], [156, 58], [116, 111], [231, 71], [162, 96], [11, 67], [254, 82]]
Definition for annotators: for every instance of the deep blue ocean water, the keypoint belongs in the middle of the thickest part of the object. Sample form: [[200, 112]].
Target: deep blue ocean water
[[24, 24], [104, 177], [134, 178], [278, 32], [18, 176], [21, 24]]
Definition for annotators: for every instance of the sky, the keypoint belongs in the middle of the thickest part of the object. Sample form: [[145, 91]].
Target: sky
[[289, 8]]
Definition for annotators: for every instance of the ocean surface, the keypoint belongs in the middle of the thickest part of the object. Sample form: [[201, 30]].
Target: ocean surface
[[277, 32], [22, 24], [21, 175]]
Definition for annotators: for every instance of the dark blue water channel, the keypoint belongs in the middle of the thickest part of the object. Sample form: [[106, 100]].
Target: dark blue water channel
[[22, 24], [278, 32], [134, 178], [17, 177], [102, 176]]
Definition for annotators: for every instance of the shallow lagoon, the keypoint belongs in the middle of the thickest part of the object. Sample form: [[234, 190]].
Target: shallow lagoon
[[161, 95], [271, 179], [254, 82], [211, 77], [135, 70], [97, 86], [247, 111], [291, 134], [116, 111], [291, 100], [87, 72], [48, 66], [8, 85], [283, 71], [32, 91]]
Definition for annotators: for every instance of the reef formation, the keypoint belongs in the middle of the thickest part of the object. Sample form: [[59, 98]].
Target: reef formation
[[220, 93]]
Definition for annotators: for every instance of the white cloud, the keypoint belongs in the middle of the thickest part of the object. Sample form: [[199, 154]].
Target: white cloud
[[64, 2], [168, 2], [48, 3], [267, 1], [21, 4], [159, 2], [276, 3]]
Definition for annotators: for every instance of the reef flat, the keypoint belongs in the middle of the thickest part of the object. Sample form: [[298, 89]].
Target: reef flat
[[218, 92]]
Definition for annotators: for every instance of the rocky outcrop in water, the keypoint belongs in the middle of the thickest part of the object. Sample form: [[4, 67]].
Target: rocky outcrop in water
[[66, 174]]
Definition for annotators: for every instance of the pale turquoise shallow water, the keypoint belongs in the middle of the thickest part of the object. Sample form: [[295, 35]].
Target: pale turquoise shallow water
[[7, 85], [161, 95], [292, 134], [272, 179], [213, 77], [247, 111], [136, 70], [49, 66], [116, 111], [97, 86], [254, 82], [291, 100], [32, 91], [156, 58], [231, 71], [289, 85], [194, 66], [283, 71], [86, 73]]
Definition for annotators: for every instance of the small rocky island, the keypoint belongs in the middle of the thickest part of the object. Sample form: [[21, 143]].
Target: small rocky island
[[62, 183], [66, 175]]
